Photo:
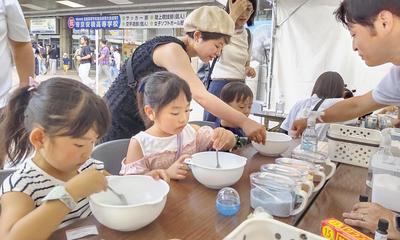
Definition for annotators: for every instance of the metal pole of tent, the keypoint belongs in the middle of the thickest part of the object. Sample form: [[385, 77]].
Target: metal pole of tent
[[275, 25], [268, 92], [97, 60]]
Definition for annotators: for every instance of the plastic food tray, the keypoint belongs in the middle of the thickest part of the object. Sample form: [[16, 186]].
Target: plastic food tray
[[269, 229], [352, 145]]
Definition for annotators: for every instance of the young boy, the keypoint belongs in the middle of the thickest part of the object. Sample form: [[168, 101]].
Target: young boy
[[65, 63], [240, 97]]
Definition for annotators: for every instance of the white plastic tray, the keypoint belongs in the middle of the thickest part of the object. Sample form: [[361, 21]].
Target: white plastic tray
[[268, 229], [352, 145]]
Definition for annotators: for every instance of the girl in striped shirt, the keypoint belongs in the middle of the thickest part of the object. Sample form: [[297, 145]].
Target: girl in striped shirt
[[58, 121]]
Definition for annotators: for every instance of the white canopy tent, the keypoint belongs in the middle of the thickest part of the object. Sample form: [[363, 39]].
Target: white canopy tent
[[309, 41]]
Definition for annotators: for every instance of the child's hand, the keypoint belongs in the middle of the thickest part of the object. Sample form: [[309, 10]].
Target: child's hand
[[221, 137], [179, 169], [86, 183], [159, 173]]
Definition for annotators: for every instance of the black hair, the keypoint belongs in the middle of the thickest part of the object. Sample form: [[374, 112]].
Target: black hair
[[347, 93], [364, 12], [250, 22], [40, 43], [60, 106], [211, 36], [86, 40], [236, 91], [104, 41], [329, 85], [115, 48], [159, 89], [35, 46]]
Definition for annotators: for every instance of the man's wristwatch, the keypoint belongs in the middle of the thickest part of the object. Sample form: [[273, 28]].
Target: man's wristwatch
[[398, 222], [59, 193]]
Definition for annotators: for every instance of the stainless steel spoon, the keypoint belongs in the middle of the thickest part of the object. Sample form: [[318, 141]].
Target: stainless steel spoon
[[218, 166], [120, 196]]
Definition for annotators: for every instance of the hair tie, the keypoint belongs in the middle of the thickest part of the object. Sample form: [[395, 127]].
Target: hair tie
[[141, 88], [34, 84]]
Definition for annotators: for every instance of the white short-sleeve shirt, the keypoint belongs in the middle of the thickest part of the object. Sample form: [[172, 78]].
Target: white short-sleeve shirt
[[13, 26], [320, 128], [388, 90]]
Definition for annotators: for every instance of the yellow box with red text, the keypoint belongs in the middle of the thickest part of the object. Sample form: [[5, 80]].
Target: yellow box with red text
[[335, 230]]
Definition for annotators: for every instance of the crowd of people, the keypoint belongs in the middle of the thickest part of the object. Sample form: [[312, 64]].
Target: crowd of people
[[45, 58], [59, 120]]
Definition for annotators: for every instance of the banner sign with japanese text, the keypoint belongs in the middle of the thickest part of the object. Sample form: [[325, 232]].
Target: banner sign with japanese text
[[146, 20], [94, 22], [153, 20]]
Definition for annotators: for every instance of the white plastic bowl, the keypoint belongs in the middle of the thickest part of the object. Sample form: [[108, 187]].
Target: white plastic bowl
[[146, 198], [275, 144], [203, 168]]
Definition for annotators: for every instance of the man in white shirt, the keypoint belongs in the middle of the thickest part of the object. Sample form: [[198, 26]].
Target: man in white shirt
[[14, 34], [375, 29]]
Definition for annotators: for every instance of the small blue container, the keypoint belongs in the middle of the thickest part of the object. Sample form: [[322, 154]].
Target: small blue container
[[228, 201]]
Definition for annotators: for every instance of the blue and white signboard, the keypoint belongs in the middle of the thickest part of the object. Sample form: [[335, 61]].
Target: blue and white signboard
[[95, 22], [146, 20]]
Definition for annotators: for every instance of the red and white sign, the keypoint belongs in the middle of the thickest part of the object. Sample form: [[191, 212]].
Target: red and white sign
[[71, 22]]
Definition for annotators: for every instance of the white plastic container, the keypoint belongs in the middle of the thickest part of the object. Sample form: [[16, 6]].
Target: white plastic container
[[268, 229], [386, 182], [276, 194], [352, 145]]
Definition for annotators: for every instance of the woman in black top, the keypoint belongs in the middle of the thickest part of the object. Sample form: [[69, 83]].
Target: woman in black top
[[207, 29]]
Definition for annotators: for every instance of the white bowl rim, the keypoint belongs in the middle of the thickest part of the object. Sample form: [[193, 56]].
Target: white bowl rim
[[277, 140], [220, 169], [158, 200]]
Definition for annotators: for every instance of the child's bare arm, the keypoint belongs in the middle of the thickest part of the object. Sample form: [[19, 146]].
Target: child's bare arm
[[134, 152], [19, 219]]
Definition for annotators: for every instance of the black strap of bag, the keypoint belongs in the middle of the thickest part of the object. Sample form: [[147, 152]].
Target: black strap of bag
[[248, 38], [318, 105], [208, 80]]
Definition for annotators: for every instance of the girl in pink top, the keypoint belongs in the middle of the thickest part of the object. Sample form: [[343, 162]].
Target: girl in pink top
[[164, 103]]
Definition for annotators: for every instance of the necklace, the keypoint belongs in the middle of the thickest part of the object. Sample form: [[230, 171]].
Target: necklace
[[239, 30]]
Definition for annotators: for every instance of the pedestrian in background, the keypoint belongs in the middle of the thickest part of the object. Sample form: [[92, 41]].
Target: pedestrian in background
[[65, 63], [42, 60], [76, 56], [52, 58], [104, 61], [115, 63], [84, 67]]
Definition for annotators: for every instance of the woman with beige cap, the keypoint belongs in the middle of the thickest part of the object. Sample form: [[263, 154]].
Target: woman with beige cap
[[208, 29]]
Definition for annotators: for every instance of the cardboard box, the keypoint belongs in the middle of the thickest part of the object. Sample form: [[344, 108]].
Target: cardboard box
[[335, 230]]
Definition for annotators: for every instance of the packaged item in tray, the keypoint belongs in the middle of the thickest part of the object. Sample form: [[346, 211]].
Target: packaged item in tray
[[336, 230]]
